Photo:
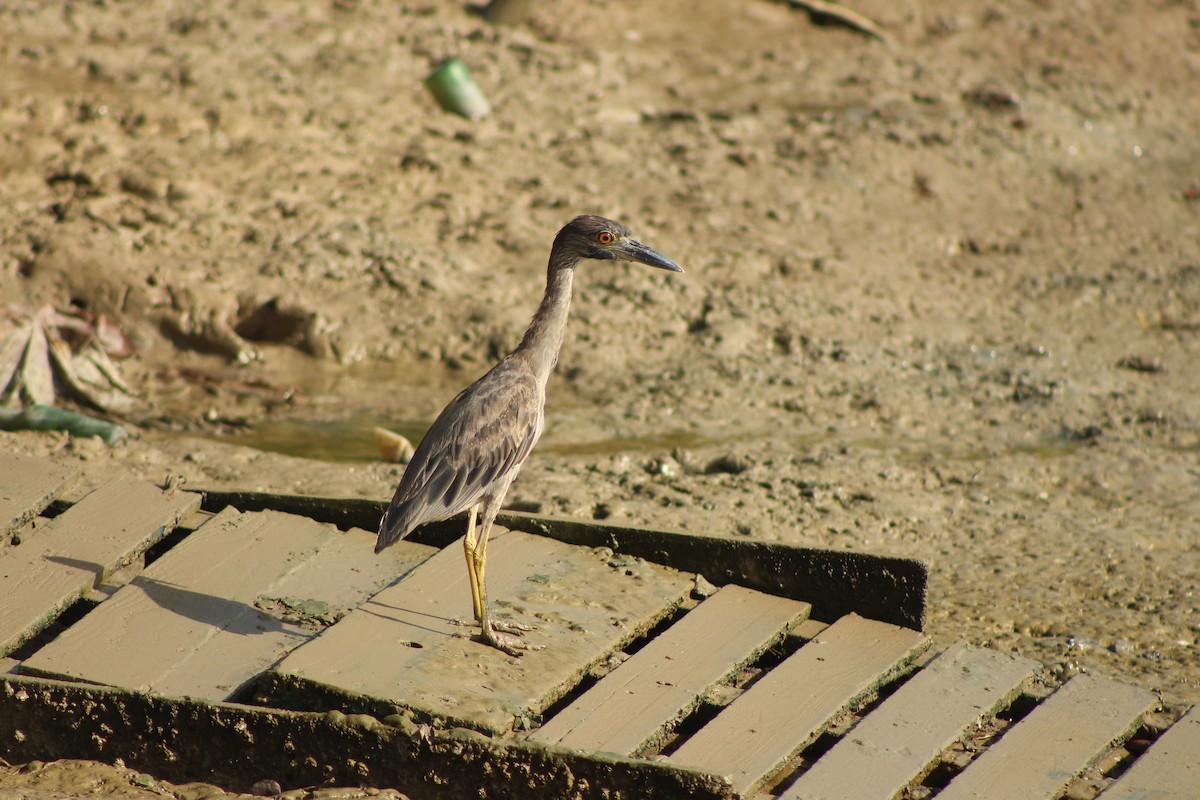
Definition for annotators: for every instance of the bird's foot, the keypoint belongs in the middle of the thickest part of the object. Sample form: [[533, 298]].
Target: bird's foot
[[512, 645], [496, 633], [517, 628]]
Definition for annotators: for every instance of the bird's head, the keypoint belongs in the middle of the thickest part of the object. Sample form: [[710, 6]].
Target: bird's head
[[589, 236]]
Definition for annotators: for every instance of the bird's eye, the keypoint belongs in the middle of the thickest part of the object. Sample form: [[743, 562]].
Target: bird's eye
[[605, 237]]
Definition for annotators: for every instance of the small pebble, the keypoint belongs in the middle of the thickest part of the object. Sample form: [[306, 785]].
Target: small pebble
[[728, 464], [665, 467], [703, 588], [1064, 670], [1084, 790], [266, 788], [142, 779]]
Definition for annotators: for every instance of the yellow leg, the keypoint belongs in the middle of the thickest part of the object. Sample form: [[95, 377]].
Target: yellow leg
[[480, 558], [471, 550], [488, 629]]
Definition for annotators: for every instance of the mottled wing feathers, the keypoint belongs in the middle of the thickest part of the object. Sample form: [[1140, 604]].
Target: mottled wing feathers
[[476, 444]]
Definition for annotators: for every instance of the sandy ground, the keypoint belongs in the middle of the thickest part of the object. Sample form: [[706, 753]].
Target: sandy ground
[[942, 294]]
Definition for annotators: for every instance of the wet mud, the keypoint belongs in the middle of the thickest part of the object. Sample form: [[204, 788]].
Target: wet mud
[[942, 295]]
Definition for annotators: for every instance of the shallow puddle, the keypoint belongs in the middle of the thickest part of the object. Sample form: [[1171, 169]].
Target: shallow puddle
[[351, 438], [579, 431], [346, 439]]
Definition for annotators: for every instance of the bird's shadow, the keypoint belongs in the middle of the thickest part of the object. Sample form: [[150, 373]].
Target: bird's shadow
[[233, 616], [79, 564], [449, 626]]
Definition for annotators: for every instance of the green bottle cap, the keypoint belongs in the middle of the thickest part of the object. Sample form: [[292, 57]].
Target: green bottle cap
[[456, 91]]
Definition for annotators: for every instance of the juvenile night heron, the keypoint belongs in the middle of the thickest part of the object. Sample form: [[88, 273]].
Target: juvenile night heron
[[476, 446]]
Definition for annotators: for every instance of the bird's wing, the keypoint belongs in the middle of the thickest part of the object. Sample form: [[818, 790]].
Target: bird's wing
[[477, 441]]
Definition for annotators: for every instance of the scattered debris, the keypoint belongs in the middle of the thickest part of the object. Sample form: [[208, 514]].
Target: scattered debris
[[827, 13], [729, 464], [56, 355], [922, 185], [48, 418], [1086, 435], [1024, 391], [526, 721], [511, 12], [171, 482], [393, 446], [266, 788], [992, 99], [1167, 322], [1140, 364], [305, 612], [455, 90], [702, 588]]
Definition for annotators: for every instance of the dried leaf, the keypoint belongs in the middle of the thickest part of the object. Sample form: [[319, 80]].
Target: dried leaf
[[112, 340], [36, 363], [86, 381], [102, 392], [11, 352], [108, 369], [60, 355], [37, 377]]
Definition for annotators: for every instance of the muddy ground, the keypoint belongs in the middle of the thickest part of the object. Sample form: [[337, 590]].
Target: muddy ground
[[942, 294]]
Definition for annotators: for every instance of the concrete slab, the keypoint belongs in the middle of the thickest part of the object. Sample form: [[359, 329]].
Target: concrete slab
[[27, 486], [225, 604], [403, 647], [105, 530], [666, 679]]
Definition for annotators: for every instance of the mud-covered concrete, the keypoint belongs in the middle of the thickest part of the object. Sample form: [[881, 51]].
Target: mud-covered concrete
[[237, 746]]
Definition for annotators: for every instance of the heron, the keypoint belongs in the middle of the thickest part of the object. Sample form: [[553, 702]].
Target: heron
[[477, 445]]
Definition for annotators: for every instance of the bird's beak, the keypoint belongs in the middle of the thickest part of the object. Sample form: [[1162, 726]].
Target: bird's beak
[[633, 250]]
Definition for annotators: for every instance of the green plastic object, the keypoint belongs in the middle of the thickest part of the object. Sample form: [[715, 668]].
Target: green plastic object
[[49, 418], [455, 90]]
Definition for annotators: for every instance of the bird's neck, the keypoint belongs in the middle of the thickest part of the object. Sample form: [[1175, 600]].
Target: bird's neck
[[544, 336]]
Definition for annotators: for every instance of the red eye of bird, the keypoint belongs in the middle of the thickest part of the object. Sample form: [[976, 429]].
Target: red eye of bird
[[605, 237]]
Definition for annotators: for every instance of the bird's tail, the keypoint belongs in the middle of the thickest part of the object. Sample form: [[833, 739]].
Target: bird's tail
[[394, 526]]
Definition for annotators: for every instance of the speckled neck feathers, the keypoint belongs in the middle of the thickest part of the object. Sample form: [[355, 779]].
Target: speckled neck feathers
[[544, 337]]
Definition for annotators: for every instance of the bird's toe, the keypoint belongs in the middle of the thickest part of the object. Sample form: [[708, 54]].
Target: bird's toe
[[517, 628], [511, 645]]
